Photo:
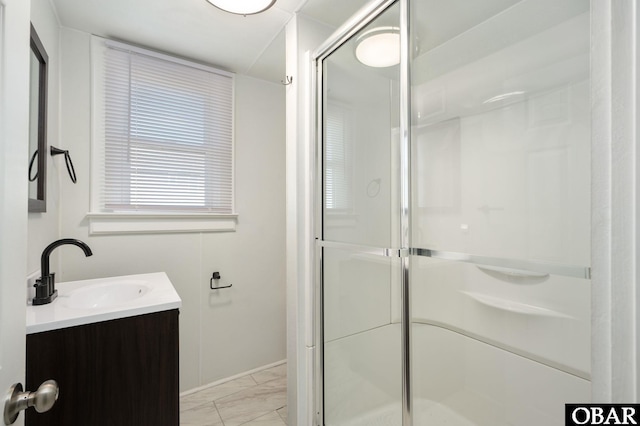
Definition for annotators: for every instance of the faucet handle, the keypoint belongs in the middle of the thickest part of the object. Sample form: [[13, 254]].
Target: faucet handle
[[45, 290]]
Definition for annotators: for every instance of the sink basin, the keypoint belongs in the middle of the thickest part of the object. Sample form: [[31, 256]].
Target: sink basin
[[105, 295], [103, 299]]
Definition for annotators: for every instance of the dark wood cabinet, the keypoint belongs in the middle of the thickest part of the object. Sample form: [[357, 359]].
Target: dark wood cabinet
[[117, 373]]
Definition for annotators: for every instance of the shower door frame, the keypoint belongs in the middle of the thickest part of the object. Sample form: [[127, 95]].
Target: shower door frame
[[366, 15], [610, 22]]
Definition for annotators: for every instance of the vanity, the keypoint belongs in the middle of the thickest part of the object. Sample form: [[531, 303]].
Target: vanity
[[112, 346]]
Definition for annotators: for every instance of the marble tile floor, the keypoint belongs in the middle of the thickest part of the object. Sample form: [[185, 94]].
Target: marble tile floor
[[257, 399]]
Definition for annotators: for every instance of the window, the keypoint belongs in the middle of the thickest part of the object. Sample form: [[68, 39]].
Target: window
[[338, 141], [164, 134]]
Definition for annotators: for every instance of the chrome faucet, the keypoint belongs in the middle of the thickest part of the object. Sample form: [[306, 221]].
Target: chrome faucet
[[46, 284]]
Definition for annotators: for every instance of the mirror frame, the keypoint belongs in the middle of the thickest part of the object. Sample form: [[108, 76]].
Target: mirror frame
[[39, 204]]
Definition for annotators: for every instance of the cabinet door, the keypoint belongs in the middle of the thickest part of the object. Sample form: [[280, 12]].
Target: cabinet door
[[121, 372]]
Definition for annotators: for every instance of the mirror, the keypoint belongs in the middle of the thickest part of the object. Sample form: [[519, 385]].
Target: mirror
[[38, 126]]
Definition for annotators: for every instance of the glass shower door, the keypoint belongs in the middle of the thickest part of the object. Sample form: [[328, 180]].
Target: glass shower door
[[360, 268], [500, 211], [497, 252]]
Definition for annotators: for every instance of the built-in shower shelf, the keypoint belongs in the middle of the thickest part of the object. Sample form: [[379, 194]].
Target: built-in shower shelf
[[511, 272], [513, 306]]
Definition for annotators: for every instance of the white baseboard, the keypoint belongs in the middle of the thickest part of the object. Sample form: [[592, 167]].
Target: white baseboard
[[228, 379]]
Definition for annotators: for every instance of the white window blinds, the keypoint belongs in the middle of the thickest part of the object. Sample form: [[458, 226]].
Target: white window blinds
[[168, 134], [338, 141]]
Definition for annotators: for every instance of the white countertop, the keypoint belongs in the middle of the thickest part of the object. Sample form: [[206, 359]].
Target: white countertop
[[159, 295]]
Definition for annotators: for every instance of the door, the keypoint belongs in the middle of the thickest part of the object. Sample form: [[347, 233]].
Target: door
[[359, 240], [14, 125]]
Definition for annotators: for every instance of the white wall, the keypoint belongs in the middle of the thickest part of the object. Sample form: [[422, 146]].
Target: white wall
[[44, 228], [222, 332]]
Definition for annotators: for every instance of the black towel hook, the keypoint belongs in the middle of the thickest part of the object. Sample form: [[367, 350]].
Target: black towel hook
[[31, 162], [67, 159]]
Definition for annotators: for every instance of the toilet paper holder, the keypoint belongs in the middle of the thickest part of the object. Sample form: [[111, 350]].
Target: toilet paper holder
[[216, 276]]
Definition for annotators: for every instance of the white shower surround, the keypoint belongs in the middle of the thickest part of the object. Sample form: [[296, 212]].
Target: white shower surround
[[518, 175], [613, 338]]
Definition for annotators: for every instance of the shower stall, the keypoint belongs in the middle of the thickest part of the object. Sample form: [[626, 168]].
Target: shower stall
[[453, 214]]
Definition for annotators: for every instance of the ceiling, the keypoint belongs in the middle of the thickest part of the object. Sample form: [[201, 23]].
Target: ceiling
[[253, 45]]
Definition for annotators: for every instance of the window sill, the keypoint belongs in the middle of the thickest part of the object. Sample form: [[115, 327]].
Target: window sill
[[159, 223]]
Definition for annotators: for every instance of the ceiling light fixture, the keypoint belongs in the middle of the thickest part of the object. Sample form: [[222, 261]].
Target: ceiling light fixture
[[379, 47], [243, 7]]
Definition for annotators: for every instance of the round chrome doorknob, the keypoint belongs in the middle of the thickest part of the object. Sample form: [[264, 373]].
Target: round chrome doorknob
[[45, 396], [42, 400]]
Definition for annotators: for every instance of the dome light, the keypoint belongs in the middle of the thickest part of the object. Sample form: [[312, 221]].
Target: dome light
[[379, 47], [243, 7]]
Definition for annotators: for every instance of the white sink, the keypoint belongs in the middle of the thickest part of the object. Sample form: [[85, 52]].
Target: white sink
[[103, 299], [105, 295]]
